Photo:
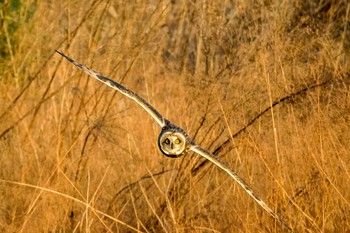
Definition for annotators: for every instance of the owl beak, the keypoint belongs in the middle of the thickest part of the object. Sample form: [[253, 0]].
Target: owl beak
[[172, 145]]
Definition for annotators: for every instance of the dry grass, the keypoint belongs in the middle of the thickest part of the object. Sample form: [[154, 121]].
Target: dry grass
[[78, 157]]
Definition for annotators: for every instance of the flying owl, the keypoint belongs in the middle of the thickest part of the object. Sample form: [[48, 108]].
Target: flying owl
[[173, 141]]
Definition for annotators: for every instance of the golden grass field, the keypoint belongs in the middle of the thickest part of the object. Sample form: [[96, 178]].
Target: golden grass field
[[265, 85]]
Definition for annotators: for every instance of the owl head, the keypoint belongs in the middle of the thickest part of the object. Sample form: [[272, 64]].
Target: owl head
[[172, 143]]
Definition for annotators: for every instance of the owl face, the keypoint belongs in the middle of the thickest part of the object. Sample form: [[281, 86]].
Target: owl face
[[172, 144]]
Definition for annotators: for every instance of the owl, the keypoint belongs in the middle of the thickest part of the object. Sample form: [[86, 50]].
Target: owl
[[173, 141]]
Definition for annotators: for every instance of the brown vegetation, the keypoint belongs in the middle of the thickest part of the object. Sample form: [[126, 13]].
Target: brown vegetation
[[263, 84]]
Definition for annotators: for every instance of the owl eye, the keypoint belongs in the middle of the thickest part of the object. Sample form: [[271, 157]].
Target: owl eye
[[167, 141], [177, 141]]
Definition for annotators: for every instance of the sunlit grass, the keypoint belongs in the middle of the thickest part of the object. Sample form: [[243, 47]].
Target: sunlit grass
[[265, 85]]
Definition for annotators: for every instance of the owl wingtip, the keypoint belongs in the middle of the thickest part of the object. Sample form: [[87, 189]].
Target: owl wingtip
[[57, 51], [65, 56]]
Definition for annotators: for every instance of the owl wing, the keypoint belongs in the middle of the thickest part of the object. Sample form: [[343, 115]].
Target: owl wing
[[113, 84], [222, 165]]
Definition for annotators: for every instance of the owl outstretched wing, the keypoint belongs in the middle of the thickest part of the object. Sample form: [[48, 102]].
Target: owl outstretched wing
[[113, 84], [222, 165]]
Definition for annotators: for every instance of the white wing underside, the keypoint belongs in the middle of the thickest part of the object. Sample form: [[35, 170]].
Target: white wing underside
[[222, 165], [111, 83]]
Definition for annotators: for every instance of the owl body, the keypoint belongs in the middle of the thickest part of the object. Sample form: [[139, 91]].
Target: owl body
[[173, 141]]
